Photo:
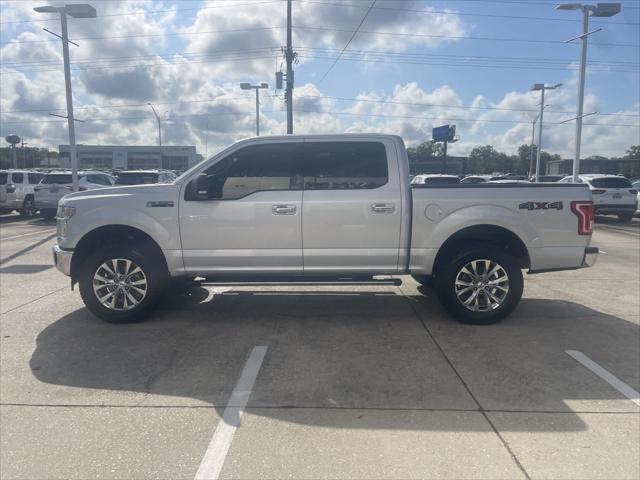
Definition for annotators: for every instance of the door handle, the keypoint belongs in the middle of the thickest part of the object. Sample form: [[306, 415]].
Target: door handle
[[383, 208], [283, 209]]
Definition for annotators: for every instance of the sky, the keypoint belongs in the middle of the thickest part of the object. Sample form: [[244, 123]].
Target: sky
[[411, 65]]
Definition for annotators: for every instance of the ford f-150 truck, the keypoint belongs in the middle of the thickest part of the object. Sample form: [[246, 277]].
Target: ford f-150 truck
[[324, 208]]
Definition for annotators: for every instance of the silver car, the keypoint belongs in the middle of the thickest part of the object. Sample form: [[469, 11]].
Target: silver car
[[56, 185]]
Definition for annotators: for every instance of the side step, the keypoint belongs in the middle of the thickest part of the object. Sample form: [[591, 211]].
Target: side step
[[293, 281]]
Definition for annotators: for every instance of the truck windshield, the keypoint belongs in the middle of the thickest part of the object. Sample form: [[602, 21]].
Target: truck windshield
[[136, 178], [58, 179], [611, 182]]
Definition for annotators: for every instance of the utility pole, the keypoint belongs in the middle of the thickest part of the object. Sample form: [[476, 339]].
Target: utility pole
[[82, 10], [257, 87], [159, 124], [542, 87], [289, 58], [597, 10], [533, 134]]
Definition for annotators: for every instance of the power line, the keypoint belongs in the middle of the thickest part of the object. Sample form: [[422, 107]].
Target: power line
[[148, 12], [445, 12], [439, 118], [460, 37], [147, 35], [355, 32]]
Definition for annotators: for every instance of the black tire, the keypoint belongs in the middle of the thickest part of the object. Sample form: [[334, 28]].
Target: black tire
[[625, 217], [28, 209], [154, 272], [452, 299], [48, 213]]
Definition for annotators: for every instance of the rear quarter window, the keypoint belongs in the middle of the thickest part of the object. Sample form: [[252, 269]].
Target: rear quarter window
[[610, 182], [3, 178], [17, 177]]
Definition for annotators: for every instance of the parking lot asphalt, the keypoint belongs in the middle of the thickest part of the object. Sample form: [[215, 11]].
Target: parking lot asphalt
[[355, 382]]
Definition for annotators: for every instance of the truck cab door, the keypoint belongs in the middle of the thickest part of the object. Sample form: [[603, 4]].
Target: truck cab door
[[250, 220], [352, 207]]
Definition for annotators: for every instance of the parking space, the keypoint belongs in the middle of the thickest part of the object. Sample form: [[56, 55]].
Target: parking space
[[356, 382]]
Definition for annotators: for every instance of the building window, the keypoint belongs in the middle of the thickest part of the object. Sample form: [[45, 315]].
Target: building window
[[175, 162]]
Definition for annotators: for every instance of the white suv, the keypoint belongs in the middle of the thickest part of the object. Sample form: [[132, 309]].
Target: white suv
[[17, 191], [612, 195], [56, 185]]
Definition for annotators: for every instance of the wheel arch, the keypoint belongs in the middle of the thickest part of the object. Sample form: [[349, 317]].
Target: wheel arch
[[108, 235], [494, 235]]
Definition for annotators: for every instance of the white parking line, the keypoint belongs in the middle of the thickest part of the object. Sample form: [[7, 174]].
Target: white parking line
[[607, 376], [25, 234], [216, 453]]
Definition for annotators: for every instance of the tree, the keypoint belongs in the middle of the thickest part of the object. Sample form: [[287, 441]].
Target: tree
[[28, 157], [633, 153], [487, 159], [426, 149]]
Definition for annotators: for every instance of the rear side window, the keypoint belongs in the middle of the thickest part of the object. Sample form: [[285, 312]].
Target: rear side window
[[17, 177], [345, 165], [35, 178], [611, 182], [441, 181], [3, 178], [58, 179]]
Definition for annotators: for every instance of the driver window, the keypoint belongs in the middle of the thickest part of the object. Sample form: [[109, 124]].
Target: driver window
[[255, 168]]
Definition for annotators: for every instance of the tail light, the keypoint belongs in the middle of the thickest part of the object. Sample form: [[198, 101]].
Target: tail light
[[586, 216], [598, 192], [633, 192], [11, 188], [82, 189]]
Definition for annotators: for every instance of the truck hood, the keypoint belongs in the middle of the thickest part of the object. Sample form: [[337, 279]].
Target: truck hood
[[151, 191]]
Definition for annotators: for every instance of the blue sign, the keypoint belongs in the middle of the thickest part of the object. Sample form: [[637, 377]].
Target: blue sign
[[445, 133]]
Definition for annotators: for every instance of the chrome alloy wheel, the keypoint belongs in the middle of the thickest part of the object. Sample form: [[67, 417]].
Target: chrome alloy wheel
[[482, 285], [119, 284]]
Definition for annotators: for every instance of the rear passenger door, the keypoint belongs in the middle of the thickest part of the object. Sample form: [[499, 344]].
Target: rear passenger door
[[351, 207]]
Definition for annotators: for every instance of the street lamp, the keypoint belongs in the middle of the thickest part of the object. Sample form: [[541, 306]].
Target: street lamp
[[542, 87], [597, 10], [257, 87], [77, 10], [159, 128]]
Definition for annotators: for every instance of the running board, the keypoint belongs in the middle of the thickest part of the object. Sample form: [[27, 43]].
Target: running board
[[300, 281]]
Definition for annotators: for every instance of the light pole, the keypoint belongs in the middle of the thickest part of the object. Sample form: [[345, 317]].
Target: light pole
[[76, 10], [159, 127], [533, 134], [597, 10], [257, 87], [542, 87]]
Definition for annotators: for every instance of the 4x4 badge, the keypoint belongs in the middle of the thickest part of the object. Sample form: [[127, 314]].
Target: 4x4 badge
[[541, 206]]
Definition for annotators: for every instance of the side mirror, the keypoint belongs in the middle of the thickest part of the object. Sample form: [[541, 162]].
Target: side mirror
[[202, 186]]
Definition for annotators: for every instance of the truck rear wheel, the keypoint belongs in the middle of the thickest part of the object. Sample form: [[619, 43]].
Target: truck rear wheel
[[121, 284], [480, 285], [625, 217], [28, 210]]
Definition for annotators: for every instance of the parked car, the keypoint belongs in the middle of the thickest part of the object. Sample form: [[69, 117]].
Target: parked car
[[56, 185], [141, 177], [17, 191], [476, 179], [245, 214], [612, 194], [435, 179], [510, 181], [636, 186], [547, 178]]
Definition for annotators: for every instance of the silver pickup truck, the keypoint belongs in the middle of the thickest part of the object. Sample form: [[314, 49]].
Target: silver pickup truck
[[327, 208]]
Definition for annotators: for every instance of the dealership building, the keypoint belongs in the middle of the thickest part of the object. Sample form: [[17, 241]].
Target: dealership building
[[120, 157]]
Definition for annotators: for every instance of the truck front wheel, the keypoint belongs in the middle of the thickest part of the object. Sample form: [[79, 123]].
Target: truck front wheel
[[480, 285], [121, 284]]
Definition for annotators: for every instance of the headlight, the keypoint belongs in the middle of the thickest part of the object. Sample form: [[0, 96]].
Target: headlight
[[65, 211]]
